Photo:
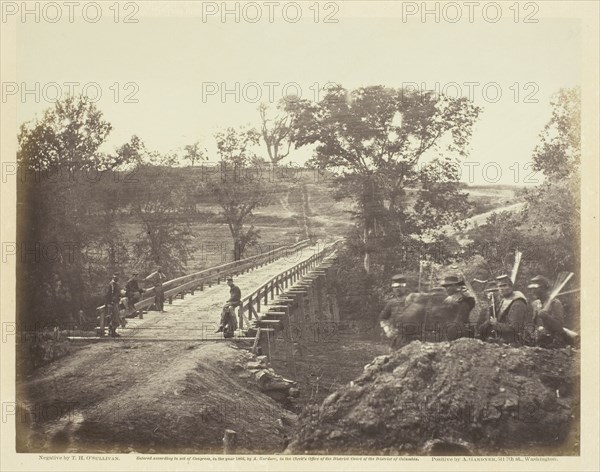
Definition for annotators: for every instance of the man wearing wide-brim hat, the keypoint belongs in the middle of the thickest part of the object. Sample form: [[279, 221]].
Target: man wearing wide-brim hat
[[457, 307], [548, 321], [394, 307], [511, 315]]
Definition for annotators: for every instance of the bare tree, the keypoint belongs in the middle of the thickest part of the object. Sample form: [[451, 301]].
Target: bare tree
[[276, 133]]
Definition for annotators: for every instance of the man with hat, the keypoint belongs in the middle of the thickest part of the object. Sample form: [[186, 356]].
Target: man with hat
[[511, 315], [111, 299], [228, 322], [457, 307], [548, 321], [392, 312]]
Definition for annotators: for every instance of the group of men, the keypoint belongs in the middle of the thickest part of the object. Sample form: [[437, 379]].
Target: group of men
[[116, 297], [444, 314]]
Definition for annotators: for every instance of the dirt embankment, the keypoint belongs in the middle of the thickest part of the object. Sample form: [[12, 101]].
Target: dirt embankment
[[164, 397], [463, 397]]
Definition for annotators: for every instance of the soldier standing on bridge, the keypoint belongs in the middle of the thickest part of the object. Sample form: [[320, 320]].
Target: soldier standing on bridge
[[112, 298], [157, 278]]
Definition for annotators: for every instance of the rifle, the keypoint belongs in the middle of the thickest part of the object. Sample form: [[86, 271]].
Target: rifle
[[561, 280], [489, 293], [515, 269]]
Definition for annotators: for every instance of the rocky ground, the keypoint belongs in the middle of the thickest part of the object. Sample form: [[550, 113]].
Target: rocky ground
[[463, 397]]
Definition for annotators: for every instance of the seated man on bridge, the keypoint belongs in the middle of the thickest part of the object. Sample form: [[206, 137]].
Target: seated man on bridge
[[228, 322], [133, 293]]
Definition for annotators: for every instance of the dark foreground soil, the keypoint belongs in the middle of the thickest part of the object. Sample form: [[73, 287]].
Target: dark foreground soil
[[163, 397], [464, 397]]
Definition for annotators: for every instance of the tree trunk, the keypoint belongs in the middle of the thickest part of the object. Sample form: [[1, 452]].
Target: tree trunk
[[367, 258], [237, 245]]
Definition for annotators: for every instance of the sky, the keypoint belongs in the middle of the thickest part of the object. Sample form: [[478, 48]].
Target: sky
[[170, 72]]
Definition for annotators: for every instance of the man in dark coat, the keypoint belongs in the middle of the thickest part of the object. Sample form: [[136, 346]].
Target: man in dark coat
[[456, 307], [403, 317], [548, 317], [394, 307], [228, 322], [133, 292], [511, 316], [112, 298]]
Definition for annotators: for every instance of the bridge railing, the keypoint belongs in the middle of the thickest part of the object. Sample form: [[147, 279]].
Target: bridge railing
[[188, 283], [251, 303]]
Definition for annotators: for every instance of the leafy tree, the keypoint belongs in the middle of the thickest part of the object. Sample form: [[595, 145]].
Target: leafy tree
[[162, 210], [193, 153], [376, 137], [554, 207], [236, 147], [68, 135], [238, 189], [60, 162], [548, 231]]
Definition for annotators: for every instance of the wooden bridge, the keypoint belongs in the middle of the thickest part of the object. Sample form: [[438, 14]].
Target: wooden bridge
[[272, 285]]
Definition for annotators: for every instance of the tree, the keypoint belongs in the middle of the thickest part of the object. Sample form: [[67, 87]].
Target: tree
[[548, 231], [162, 210], [236, 147], [554, 207], [238, 189], [276, 132], [193, 153], [60, 164], [375, 137], [68, 135]]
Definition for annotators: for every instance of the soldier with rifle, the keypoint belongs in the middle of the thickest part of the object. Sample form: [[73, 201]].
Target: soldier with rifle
[[510, 317], [548, 315], [457, 307]]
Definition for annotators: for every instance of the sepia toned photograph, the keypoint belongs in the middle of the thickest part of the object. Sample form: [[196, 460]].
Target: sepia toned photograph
[[293, 231]]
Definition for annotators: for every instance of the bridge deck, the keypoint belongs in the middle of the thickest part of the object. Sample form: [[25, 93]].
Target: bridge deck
[[197, 316]]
